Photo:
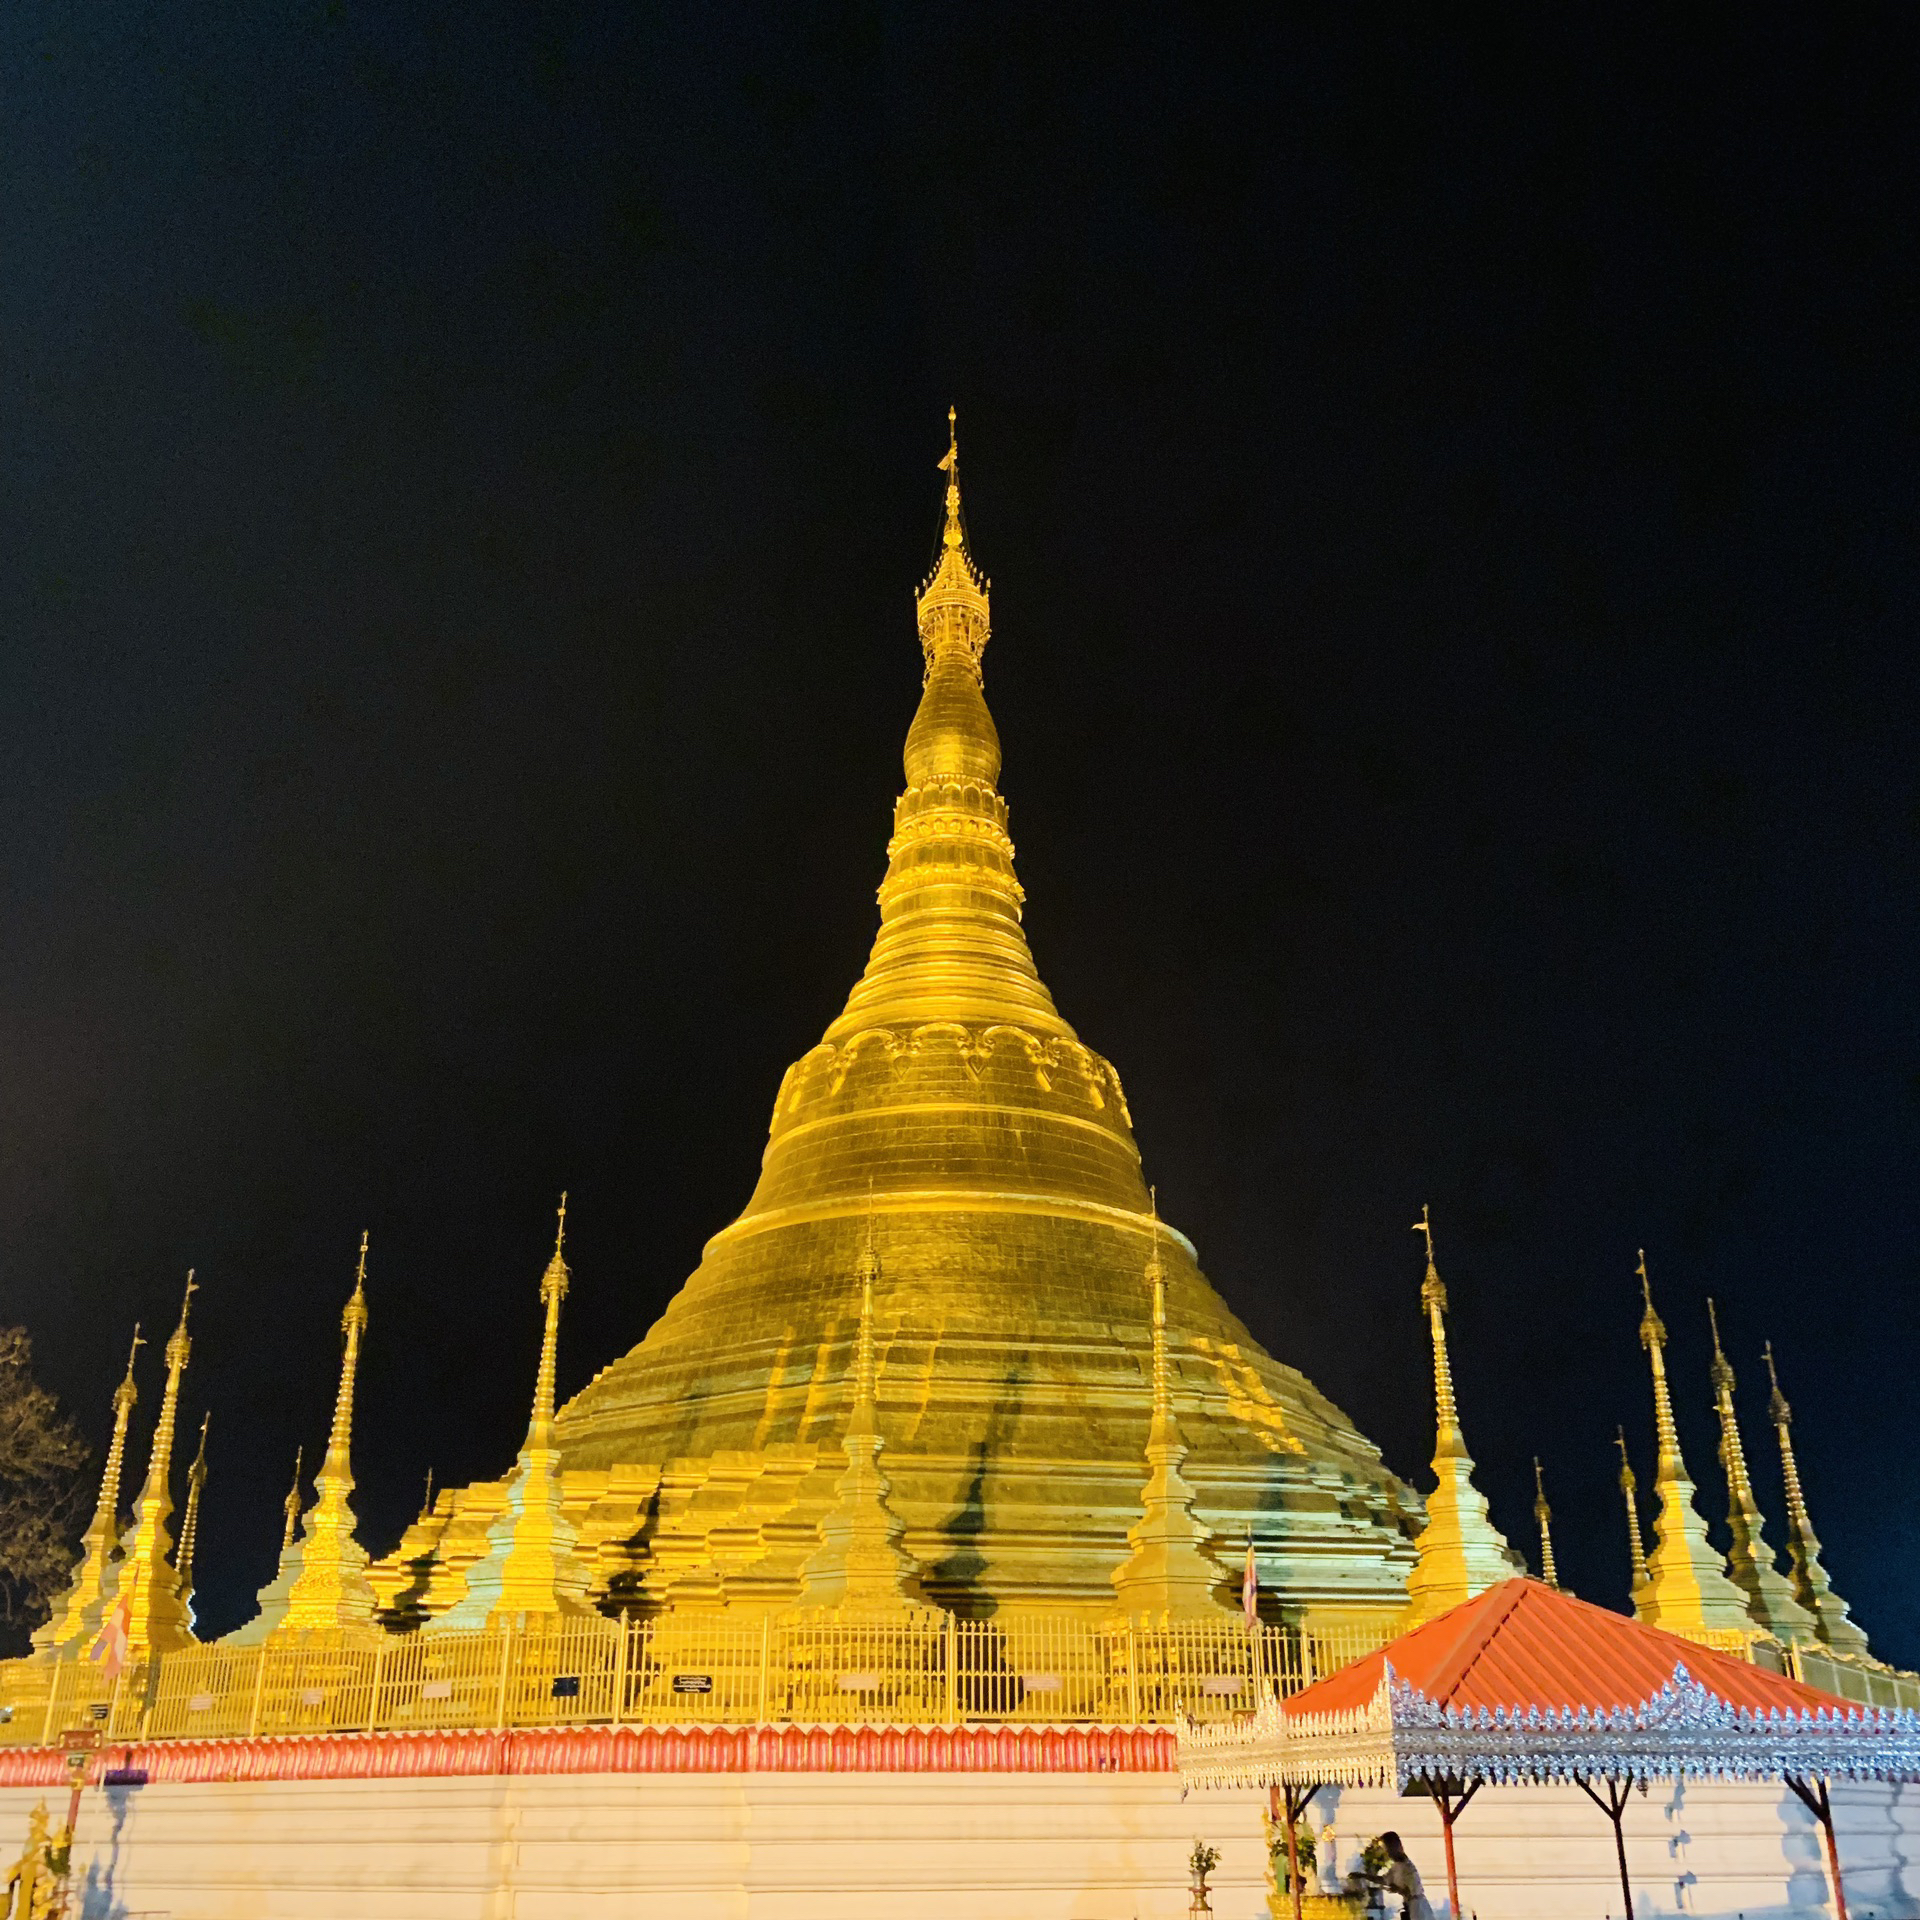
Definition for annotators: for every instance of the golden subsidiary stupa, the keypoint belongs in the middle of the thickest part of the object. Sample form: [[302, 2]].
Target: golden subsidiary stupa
[[951, 1119]]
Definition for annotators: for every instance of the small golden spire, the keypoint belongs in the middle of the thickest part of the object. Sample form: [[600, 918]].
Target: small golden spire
[[78, 1612], [953, 605], [1811, 1585], [290, 1506], [1544, 1515], [426, 1504], [1459, 1552], [1770, 1596], [190, 1523], [149, 1588], [532, 1565], [1687, 1589], [329, 1588], [1630, 1492], [1168, 1571], [861, 1564]]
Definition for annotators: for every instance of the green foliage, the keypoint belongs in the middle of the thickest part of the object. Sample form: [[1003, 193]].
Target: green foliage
[[1204, 1858], [41, 1495]]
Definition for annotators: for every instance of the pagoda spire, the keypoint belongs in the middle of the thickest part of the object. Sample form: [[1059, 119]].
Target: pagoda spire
[[290, 1506], [950, 946], [322, 1578], [861, 1564], [1770, 1596], [1459, 1552], [190, 1524], [149, 1591], [1811, 1587], [1168, 1572], [1630, 1493], [532, 1565], [1687, 1590], [1543, 1517], [78, 1612]]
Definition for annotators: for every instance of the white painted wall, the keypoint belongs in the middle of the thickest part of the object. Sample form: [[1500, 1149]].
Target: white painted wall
[[925, 1846]]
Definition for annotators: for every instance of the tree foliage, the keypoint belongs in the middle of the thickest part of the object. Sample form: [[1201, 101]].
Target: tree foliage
[[42, 1457]]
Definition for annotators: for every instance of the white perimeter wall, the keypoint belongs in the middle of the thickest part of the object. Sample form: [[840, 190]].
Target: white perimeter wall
[[924, 1846]]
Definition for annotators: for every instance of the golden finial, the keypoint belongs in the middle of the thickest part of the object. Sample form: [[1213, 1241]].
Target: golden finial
[[553, 1283], [125, 1390], [290, 1506], [953, 605], [1721, 1371], [1777, 1405], [190, 1525], [1433, 1294], [1544, 1515], [354, 1319], [426, 1504], [1653, 1331], [179, 1336]]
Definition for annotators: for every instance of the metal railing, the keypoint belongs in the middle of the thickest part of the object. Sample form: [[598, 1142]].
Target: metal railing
[[798, 1667]]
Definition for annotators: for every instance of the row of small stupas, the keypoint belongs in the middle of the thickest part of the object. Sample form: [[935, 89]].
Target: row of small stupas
[[953, 1167], [540, 1549]]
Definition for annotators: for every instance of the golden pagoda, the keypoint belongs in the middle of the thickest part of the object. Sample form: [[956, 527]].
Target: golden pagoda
[[1811, 1586], [1460, 1551], [532, 1565], [1008, 1215], [148, 1589], [322, 1577], [1751, 1562], [190, 1523], [78, 1612], [1687, 1590]]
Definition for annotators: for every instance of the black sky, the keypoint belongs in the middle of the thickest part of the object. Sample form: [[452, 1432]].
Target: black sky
[[1451, 507]]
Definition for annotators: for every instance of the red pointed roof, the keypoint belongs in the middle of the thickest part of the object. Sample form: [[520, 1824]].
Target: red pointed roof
[[1523, 1644]]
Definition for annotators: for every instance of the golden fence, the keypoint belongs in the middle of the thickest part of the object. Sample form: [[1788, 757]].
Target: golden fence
[[802, 1667]]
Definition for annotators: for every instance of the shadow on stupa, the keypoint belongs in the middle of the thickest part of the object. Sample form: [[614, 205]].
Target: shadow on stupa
[[954, 1582]]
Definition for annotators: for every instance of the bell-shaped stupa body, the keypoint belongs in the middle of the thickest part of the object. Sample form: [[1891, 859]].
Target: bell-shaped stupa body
[[951, 1112]]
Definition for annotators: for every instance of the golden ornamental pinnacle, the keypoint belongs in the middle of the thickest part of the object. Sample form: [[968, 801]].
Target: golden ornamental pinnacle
[[1811, 1585], [1687, 1590], [1459, 1552], [1543, 1515], [190, 1523], [156, 1621], [78, 1612], [290, 1506], [1750, 1560], [1630, 1492], [532, 1565]]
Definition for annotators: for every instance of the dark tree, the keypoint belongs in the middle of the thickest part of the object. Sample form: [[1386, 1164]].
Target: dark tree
[[42, 1457]]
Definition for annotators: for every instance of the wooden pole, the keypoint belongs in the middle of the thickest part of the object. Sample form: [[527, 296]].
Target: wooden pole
[[1613, 1806], [1820, 1804], [1450, 1810]]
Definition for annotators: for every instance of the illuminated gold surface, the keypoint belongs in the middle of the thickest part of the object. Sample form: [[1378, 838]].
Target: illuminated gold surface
[[78, 1612], [1687, 1589], [322, 1581], [1460, 1551], [1543, 1519], [1630, 1493], [1811, 1586], [1750, 1560], [1011, 1223], [532, 1565], [156, 1621]]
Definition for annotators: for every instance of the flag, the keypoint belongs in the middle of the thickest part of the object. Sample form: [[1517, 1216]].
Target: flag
[[109, 1649], [1250, 1588]]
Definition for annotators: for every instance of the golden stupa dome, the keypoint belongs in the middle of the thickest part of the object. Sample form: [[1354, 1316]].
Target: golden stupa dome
[[954, 1124]]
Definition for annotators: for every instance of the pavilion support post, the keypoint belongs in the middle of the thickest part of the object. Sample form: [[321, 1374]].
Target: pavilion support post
[[1820, 1804], [1290, 1803], [1613, 1806], [1452, 1805]]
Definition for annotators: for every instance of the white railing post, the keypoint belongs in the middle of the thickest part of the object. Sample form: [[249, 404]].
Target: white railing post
[[373, 1696], [620, 1670], [953, 1669], [766, 1664]]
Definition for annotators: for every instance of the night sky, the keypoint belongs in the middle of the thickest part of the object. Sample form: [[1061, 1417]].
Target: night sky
[[1451, 509]]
